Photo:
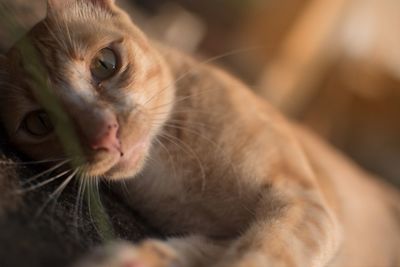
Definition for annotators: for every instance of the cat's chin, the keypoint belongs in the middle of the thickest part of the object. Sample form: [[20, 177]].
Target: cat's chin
[[130, 163]]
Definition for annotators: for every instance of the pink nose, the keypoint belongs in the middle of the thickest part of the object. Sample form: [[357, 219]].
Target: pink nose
[[107, 137]]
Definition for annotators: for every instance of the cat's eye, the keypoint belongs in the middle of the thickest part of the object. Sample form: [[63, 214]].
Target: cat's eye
[[37, 123], [104, 64]]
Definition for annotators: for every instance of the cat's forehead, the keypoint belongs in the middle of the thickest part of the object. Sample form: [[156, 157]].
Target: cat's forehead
[[76, 30], [75, 38], [79, 10]]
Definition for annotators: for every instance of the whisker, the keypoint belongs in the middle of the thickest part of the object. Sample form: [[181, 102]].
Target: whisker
[[12, 86], [203, 63], [216, 146], [181, 144], [89, 191], [125, 188], [169, 156], [36, 176], [55, 202], [56, 193], [25, 190], [187, 122], [78, 201], [185, 125], [219, 148], [179, 99], [182, 111], [192, 131], [3, 162]]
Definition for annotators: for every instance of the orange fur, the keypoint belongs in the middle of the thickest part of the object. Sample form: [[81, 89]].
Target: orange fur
[[218, 166]]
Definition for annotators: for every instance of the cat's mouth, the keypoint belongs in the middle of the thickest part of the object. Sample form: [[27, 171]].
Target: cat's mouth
[[130, 161], [122, 163]]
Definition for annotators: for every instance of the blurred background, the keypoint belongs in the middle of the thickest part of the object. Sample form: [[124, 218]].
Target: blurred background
[[333, 65]]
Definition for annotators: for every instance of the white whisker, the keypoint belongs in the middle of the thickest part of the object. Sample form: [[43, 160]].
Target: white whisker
[[181, 144], [3, 162], [78, 203], [36, 176], [57, 192], [25, 190], [203, 63]]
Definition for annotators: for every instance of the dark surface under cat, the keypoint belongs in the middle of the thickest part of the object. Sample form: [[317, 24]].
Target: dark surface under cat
[[54, 238]]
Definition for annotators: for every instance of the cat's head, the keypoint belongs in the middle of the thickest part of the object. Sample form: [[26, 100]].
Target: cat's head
[[104, 76]]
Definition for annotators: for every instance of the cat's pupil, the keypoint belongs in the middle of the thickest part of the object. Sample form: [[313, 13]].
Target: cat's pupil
[[104, 65], [37, 123]]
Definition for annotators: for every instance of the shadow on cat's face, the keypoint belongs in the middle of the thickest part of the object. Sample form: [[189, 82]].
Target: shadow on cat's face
[[85, 83]]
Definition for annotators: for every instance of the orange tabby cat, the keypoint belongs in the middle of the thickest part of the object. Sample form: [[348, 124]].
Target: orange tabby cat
[[210, 163]]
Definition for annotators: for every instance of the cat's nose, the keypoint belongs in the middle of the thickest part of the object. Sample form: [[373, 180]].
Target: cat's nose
[[106, 137]]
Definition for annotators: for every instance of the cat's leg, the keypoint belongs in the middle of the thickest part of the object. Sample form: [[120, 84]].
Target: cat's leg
[[303, 232], [191, 251], [292, 227], [300, 233]]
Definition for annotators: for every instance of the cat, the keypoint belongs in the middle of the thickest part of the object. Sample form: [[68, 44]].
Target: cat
[[230, 180]]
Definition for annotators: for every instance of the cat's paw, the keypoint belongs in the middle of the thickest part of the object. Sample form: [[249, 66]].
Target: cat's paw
[[150, 253]]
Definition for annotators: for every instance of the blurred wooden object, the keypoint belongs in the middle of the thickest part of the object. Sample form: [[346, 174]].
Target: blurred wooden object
[[325, 31], [357, 108], [338, 70], [302, 54]]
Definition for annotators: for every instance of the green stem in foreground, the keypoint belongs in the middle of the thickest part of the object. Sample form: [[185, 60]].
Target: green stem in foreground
[[38, 77], [99, 215]]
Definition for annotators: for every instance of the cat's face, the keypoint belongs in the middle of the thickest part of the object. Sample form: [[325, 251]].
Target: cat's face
[[112, 86]]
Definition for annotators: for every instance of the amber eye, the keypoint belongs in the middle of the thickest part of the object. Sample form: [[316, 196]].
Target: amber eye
[[37, 123], [104, 64]]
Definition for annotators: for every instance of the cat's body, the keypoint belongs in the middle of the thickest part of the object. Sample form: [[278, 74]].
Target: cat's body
[[211, 162], [225, 204]]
